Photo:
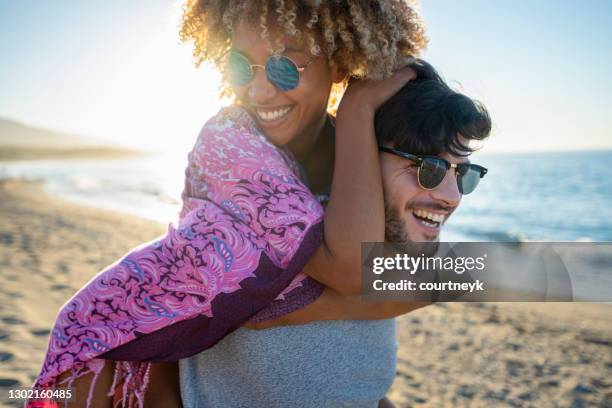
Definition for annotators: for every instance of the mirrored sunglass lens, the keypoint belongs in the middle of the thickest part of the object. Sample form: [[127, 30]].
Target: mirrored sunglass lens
[[431, 172], [467, 179], [238, 70], [283, 73]]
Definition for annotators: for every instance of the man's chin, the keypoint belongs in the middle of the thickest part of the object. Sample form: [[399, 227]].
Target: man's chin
[[414, 240], [416, 249], [430, 238], [427, 248]]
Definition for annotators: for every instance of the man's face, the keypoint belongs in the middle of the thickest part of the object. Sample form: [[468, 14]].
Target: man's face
[[412, 213]]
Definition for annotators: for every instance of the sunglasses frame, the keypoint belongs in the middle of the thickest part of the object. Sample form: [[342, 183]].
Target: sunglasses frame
[[299, 69], [420, 160]]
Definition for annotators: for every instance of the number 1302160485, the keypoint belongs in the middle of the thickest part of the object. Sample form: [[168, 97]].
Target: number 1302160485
[[41, 394]]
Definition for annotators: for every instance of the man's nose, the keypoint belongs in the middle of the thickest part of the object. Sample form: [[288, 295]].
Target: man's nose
[[260, 88], [448, 190]]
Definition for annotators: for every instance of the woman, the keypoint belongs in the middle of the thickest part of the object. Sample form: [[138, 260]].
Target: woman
[[281, 59]]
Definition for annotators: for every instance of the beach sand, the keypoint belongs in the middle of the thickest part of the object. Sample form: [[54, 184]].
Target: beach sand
[[479, 354], [48, 249], [505, 354]]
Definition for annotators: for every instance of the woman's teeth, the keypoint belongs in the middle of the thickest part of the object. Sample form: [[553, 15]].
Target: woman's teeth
[[273, 115], [429, 219]]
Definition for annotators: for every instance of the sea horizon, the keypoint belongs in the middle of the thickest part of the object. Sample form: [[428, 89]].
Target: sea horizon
[[572, 189]]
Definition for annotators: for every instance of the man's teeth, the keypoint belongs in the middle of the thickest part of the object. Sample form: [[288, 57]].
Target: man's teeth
[[439, 218], [273, 115]]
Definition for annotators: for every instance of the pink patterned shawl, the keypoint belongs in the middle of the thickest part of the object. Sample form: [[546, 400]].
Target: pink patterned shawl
[[247, 227]]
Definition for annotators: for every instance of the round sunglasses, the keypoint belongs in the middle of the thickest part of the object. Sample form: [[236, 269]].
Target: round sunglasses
[[432, 170], [281, 71]]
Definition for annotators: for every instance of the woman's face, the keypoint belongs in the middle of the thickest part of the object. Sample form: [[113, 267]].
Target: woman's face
[[284, 116]]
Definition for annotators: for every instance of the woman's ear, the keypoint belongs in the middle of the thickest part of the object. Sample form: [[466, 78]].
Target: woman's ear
[[338, 75]]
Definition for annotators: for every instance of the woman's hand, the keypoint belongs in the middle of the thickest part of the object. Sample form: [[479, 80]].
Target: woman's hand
[[365, 96]]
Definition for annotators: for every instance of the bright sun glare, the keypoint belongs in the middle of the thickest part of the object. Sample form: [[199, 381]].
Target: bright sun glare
[[158, 100]]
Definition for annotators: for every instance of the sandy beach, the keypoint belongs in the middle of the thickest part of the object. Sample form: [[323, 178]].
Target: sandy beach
[[476, 355], [48, 249]]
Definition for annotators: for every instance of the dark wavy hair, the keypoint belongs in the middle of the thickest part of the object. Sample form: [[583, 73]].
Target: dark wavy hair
[[427, 117]]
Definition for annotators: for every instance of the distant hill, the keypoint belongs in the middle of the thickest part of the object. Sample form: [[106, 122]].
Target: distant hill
[[22, 142], [16, 134]]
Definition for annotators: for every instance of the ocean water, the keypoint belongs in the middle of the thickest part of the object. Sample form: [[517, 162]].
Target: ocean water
[[524, 197], [149, 187], [562, 196]]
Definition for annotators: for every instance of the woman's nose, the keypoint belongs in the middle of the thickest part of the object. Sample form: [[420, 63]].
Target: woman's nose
[[260, 88]]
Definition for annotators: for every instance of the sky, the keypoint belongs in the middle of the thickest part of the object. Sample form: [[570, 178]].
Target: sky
[[116, 70]]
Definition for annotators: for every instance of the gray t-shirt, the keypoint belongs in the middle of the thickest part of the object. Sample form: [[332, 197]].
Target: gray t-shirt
[[345, 363]]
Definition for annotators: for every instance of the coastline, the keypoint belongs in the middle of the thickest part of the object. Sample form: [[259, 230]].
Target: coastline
[[10, 153], [459, 354]]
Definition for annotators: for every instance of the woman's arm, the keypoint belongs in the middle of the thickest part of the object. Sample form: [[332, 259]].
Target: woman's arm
[[332, 305], [355, 212]]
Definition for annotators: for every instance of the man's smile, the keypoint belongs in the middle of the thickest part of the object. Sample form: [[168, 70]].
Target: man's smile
[[429, 218]]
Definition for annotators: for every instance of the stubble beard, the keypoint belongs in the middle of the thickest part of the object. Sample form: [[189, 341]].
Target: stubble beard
[[397, 234]]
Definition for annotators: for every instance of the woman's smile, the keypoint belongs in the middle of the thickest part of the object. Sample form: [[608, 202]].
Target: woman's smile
[[271, 117]]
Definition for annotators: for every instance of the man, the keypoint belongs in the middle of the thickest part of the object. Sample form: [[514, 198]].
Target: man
[[345, 355]]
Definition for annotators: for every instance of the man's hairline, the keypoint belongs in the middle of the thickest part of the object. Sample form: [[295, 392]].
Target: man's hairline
[[392, 146]]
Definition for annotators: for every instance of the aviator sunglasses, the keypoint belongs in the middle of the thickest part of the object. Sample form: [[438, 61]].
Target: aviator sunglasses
[[432, 170], [281, 71]]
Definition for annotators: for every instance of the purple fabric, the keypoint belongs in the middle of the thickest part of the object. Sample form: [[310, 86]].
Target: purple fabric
[[295, 300], [247, 228], [189, 337]]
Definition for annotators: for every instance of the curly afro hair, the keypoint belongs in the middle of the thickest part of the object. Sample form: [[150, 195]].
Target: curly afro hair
[[364, 39]]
